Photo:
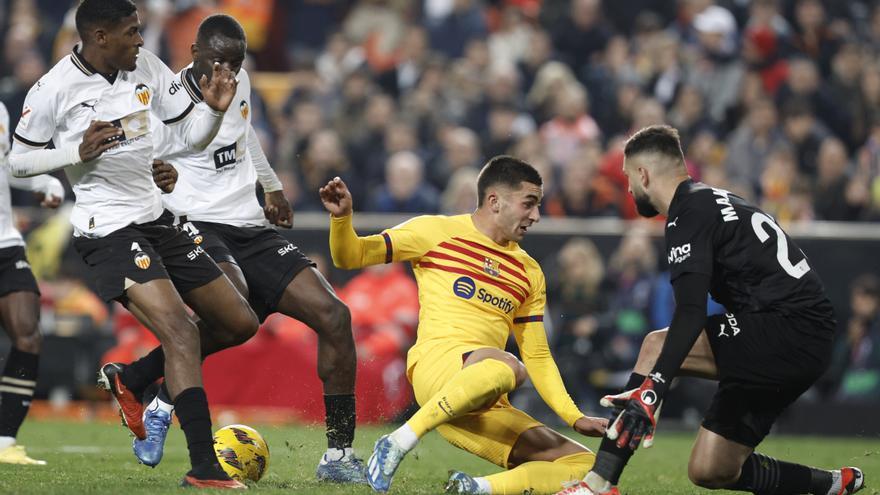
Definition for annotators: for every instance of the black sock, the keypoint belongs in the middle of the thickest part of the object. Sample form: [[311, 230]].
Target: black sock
[[164, 395], [191, 407], [17, 390], [138, 375], [764, 475], [611, 459], [340, 420]]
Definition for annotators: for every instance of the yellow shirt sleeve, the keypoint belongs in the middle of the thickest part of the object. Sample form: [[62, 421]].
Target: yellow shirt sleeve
[[350, 251], [404, 242], [528, 329]]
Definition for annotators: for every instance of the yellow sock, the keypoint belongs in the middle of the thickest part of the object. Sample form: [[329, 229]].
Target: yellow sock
[[542, 476], [469, 389]]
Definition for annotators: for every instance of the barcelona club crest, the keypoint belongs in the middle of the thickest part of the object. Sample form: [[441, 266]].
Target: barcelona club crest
[[492, 267], [143, 94], [245, 109]]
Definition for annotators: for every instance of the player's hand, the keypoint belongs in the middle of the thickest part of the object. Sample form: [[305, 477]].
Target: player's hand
[[336, 198], [98, 138], [53, 194], [638, 417], [591, 427], [164, 175], [278, 210], [220, 91]]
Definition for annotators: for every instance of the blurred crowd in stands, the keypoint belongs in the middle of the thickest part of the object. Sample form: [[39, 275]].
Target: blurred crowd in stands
[[776, 100]]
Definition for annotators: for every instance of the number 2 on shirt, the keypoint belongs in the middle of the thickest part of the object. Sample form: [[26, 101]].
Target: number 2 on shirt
[[758, 221]]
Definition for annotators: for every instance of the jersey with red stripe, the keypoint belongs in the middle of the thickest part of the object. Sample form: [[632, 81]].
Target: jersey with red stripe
[[471, 290]]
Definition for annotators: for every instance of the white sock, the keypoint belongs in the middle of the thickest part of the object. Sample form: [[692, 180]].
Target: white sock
[[484, 485], [836, 480], [337, 454], [597, 483], [405, 437], [158, 403], [6, 442]]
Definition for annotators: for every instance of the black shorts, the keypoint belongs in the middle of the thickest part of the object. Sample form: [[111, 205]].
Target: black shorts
[[268, 260], [15, 272], [145, 252], [765, 361]]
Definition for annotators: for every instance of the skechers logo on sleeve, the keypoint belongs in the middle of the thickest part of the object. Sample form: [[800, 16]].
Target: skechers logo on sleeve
[[224, 156], [679, 253]]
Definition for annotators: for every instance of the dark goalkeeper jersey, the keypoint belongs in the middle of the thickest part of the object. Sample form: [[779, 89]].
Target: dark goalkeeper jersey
[[753, 265]]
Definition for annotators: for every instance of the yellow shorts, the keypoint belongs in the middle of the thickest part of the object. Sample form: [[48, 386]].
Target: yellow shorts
[[489, 433]]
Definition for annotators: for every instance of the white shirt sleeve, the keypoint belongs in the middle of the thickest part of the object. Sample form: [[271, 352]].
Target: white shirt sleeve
[[195, 124], [34, 131], [265, 174]]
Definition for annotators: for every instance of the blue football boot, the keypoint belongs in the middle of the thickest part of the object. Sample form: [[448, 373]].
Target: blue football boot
[[156, 422], [383, 463]]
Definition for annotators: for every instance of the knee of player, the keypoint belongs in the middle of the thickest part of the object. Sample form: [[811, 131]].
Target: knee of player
[[519, 369], [653, 342], [245, 324], [710, 476], [336, 320], [177, 332]]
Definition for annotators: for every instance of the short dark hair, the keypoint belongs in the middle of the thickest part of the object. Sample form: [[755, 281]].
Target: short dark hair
[[219, 24], [506, 170], [661, 139], [91, 13]]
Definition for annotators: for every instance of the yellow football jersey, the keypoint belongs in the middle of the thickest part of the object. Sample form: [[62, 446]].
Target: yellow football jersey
[[472, 292]]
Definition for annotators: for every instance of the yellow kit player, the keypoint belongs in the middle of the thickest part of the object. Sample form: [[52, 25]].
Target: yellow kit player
[[476, 286]]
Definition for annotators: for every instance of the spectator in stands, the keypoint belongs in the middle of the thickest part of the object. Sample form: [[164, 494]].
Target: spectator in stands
[[460, 195], [718, 73], [813, 36], [411, 61], [405, 189], [805, 82], [576, 300], [538, 53], [461, 150], [365, 136], [843, 90], [378, 26], [581, 35], [688, 114], [834, 190], [761, 53], [786, 194], [855, 365], [668, 73], [752, 142], [453, 25], [509, 43], [552, 78], [805, 133], [323, 159], [571, 127], [578, 194], [338, 60]]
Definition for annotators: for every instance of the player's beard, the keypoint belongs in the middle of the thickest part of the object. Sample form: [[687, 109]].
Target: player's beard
[[644, 206]]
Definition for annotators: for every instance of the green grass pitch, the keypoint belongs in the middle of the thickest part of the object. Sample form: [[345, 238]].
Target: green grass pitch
[[97, 458]]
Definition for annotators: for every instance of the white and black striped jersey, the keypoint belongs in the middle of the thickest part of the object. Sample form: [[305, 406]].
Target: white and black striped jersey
[[115, 189], [217, 184]]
